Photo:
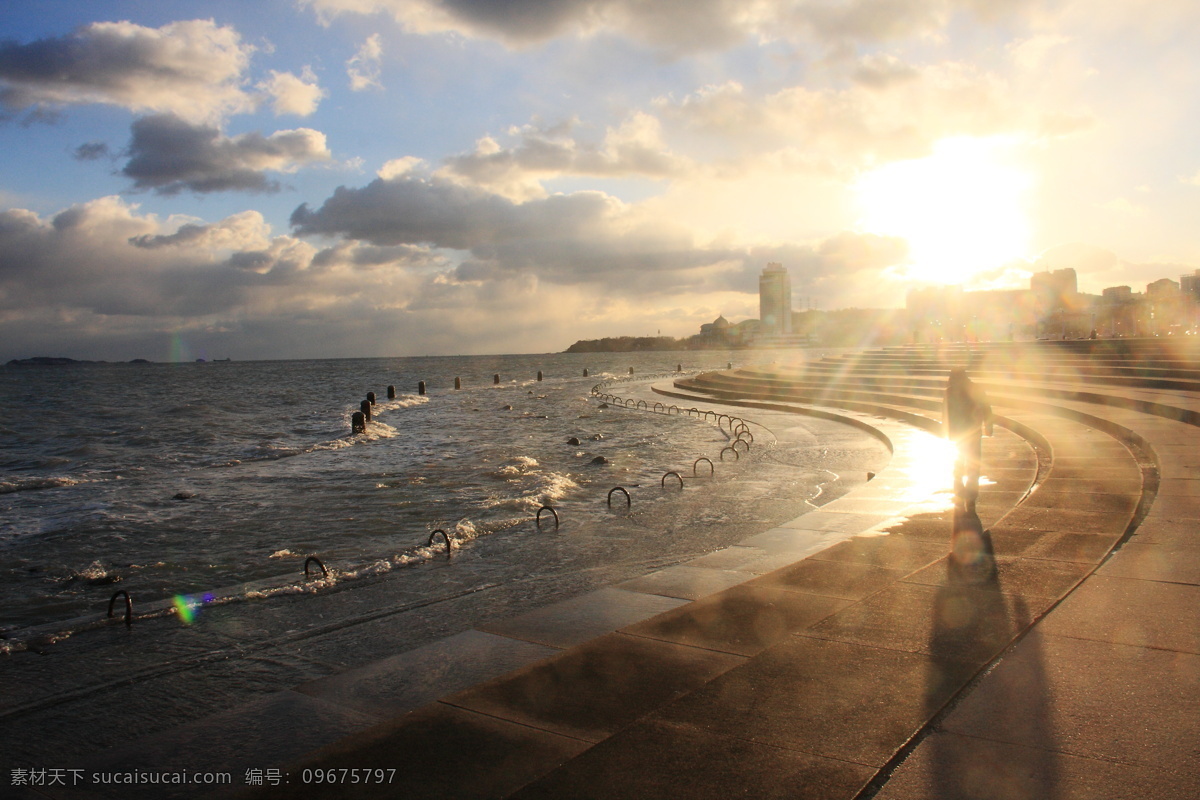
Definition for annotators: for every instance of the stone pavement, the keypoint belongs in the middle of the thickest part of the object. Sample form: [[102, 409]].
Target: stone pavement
[[1053, 655], [1047, 649]]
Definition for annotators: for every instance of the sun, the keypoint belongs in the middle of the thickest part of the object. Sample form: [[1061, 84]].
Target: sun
[[961, 209]]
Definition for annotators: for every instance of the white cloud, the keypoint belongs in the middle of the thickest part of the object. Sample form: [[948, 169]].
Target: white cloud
[[635, 149], [193, 69], [363, 67], [399, 167], [292, 94]]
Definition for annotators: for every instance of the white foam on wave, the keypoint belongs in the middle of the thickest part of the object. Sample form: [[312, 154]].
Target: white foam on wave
[[39, 482]]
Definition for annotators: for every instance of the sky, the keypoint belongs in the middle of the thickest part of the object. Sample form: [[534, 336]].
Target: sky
[[355, 178]]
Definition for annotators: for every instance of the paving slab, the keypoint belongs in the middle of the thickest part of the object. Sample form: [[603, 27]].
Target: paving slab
[[587, 616], [684, 582], [744, 620], [436, 752], [752, 560], [1178, 507], [1022, 577], [949, 766], [890, 550], [839, 521], [407, 681], [1174, 563], [1134, 612], [844, 579], [264, 733], [656, 759], [970, 623], [1081, 548], [1095, 699], [791, 540], [594, 690], [834, 699], [1068, 519]]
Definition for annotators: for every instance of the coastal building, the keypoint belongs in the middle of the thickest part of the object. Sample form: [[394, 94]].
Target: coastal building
[[775, 301]]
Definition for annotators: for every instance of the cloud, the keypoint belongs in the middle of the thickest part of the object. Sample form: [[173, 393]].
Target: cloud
[[193, 69], [363, 67], [91, 151], [676, 26], [292, 94], [440, 213], [633, 149], [170, 155], [893, 111]]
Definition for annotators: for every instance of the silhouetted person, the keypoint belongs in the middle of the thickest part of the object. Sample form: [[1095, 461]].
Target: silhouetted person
[[966, 414]]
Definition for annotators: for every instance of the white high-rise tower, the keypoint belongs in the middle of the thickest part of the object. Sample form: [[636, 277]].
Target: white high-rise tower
[[775, 301]]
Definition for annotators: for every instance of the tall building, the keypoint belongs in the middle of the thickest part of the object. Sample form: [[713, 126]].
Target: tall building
[[775, 300]]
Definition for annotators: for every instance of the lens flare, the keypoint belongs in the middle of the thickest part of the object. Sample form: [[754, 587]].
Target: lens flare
[[185, 608]]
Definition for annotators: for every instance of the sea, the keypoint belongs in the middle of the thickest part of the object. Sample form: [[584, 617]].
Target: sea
[[204, 492]]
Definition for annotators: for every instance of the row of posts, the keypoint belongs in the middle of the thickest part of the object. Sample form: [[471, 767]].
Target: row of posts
[[360, 418]]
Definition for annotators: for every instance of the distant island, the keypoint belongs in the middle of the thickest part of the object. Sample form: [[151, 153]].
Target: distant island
[[57, 361], [629, 344], [847, 327]]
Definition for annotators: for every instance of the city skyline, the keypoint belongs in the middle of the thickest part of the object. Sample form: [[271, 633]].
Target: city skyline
[[323, 178]]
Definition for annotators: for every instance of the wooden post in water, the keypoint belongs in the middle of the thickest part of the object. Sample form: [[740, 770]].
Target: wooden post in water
[[585, 372], [421, 387], [371, 398], [457, 383], [631, 370], [391, 393], [358, 423], [496, 378], [365, 407], [539, 374]]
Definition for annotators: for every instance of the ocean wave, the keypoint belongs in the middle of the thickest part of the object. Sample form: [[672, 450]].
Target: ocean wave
[[39, 482]]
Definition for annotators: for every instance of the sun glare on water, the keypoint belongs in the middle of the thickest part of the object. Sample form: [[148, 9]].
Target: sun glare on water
[[961, 209]]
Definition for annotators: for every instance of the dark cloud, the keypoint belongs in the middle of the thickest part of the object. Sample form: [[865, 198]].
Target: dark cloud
[[678, 27], [170, 155], [91, 151], [443, 214]]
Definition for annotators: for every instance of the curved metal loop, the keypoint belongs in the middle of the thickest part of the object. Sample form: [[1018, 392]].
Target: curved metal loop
[[707, 412], [736, 442], [740, 434], [738, 420], [693, 411], [128, 606], [659, 407], [711, 469], [310, 560], [736, 456], [642, 404], [720, 417], [672, 406], [552, 513], [628, 402], [622, 490], [446, 536], [741, 426], [663, 482]]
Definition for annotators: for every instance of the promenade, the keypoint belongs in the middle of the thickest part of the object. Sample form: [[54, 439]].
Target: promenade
[[882, 646]]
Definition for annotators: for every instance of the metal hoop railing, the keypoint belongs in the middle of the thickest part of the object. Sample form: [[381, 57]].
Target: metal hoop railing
[[736, 456], [622, 490], [128, 606], [310, 560], [553, 513], [446, 536], [711, 469], [663, 483]]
